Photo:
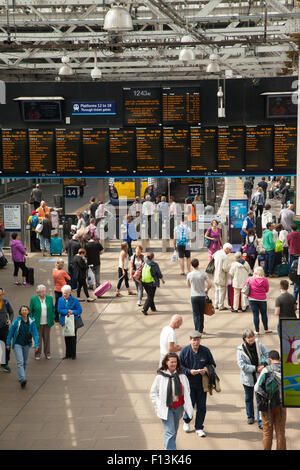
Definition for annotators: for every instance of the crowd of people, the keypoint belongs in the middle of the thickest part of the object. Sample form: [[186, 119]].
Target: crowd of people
[[186, 373]]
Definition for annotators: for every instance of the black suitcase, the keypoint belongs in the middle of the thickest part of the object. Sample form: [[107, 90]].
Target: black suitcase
[[30, 276], [3, 261]]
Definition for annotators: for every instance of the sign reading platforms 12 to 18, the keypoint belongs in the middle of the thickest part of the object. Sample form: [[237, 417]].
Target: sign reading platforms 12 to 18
[[94, 108], [290, 361]]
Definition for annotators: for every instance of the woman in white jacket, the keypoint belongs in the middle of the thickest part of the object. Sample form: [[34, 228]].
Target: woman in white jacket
[[239, 271], [170, 393]]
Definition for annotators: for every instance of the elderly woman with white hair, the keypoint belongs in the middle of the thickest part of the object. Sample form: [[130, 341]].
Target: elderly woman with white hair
[[257, 296], [69, 305], [239, 272], [43, 311], [221, 275]]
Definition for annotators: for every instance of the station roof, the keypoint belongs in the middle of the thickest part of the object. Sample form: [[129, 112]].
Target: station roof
[[251, 39]]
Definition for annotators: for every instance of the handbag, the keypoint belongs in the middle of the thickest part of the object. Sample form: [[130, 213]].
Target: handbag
[[246, 288], [209, 308], [69, 326], [78, 322], [207, 242], [138, 273], [39, 228], [210, 269]]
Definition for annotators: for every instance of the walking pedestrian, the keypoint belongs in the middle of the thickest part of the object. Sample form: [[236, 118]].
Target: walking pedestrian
[[194, 358], [277, 417], [67, 306], [214, 235], [252, 356], [6, 318], [285, 304], [80, 266], [94, 250], [239, 271], [269, 247], [92, 229], [36, 196], [43, 311], [60, 279], [167, 340], [287, 216], [251, 247], [264, 185], [266, 217], [151, 276], [258, 201], [136, 262], [200, 284], [129, 233], [170, 393], [92, 208], [45, 234], [248, 223], [221, 275], [21, 332], [259, 287], [33, 220], [182, 235], [123, 270], [293, 240], [18, 254]]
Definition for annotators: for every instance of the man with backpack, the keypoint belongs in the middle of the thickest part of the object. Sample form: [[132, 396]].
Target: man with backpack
[[33, 220], [151, 275], [182, 234], [269, 403]]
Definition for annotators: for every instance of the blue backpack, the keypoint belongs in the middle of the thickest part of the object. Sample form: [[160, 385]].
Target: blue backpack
[[34, 221], [183, 238]]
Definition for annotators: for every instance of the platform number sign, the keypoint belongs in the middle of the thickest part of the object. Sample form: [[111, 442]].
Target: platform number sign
[[194, 190], [72, 192]]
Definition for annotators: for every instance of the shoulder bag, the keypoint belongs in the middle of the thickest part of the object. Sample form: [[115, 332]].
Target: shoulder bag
[[246, 288]]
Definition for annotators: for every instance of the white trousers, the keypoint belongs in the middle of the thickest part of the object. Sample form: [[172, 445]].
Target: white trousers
[[236, 299], [220, 293]]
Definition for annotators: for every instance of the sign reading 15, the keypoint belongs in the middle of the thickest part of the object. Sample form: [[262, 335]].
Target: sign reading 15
[[72, 192], [194, 190]]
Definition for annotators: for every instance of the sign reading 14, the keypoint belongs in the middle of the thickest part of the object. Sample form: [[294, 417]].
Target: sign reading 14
[[72, 192]]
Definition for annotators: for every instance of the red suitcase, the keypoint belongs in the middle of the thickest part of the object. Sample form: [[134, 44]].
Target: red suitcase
[[231, 296], [102, 289]]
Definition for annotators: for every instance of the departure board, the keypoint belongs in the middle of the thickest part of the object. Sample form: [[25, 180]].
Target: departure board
[[259, 147], [231, 148], [181, 106], [142, 106], [14, 150], [148, 148], [175, 148], [203, 148], [68, 143], [122, 149], [41, 150], [285, 147], [95, 150]]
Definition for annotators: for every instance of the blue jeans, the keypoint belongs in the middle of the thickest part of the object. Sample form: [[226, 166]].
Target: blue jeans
[[44, 243], [249, 396], [256, 307], [198, 305], [171, 427], [269, 262], [22, 357], [198, 398]]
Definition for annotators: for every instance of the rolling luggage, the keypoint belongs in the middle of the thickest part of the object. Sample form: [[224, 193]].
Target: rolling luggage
[[102, 289], [30, 276], [3, 260], [56, 246], [230, 294], [261, 260], [282, 269]]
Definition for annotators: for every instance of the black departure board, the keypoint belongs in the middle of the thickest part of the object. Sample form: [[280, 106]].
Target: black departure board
[[148, 148], [285, 147], [259, 147], [68, 143], [231, 148], [175, 148], [203, 148], [95, 150], [41, 150], [122, 150], [14, 150], [181, 106], [142, 106]]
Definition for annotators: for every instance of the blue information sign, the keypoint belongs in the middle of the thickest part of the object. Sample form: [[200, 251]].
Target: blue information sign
[[92, 108], [238, 209]]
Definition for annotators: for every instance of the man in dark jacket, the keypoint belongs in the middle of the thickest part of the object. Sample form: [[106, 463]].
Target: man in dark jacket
[[6, 318], [36, 196], [151, 276], [72, 250], [194, 358], [93, 250]]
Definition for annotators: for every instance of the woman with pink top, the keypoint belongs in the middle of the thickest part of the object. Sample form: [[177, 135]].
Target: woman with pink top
[[214, 235], [259, 286]]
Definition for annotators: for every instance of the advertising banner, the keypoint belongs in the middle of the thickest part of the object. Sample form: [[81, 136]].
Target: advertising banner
[[12, 217], [238, 209], [290, 361]]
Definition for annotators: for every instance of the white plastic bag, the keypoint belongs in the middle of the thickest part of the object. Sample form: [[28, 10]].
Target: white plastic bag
[[174, 257], [91, 279], [69, 326]]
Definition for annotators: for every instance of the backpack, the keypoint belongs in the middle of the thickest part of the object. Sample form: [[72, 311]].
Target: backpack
[[182, 239], [278, 246], [250, 249], [34, 221], [269, 398], [294, 277], [146, 274]]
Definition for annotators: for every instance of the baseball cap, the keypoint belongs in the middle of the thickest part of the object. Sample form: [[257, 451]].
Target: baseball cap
[[195, 334]]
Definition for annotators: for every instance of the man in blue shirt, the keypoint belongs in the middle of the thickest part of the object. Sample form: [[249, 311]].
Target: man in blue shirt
[[194, 358]]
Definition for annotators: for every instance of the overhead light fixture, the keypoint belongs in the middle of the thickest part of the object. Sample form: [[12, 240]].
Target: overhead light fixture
[[96, 73], [118, 19], [65, 69], [186, 54], [213, 66], [221, 108]]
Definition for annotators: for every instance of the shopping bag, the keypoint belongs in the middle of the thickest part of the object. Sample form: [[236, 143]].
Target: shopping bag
[[91, 279], [174, 257], [2, 352], [209, 308], [69, 326], [210, 269]]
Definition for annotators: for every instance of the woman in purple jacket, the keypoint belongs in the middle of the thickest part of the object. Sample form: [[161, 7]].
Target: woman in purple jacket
[[18, 254]]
